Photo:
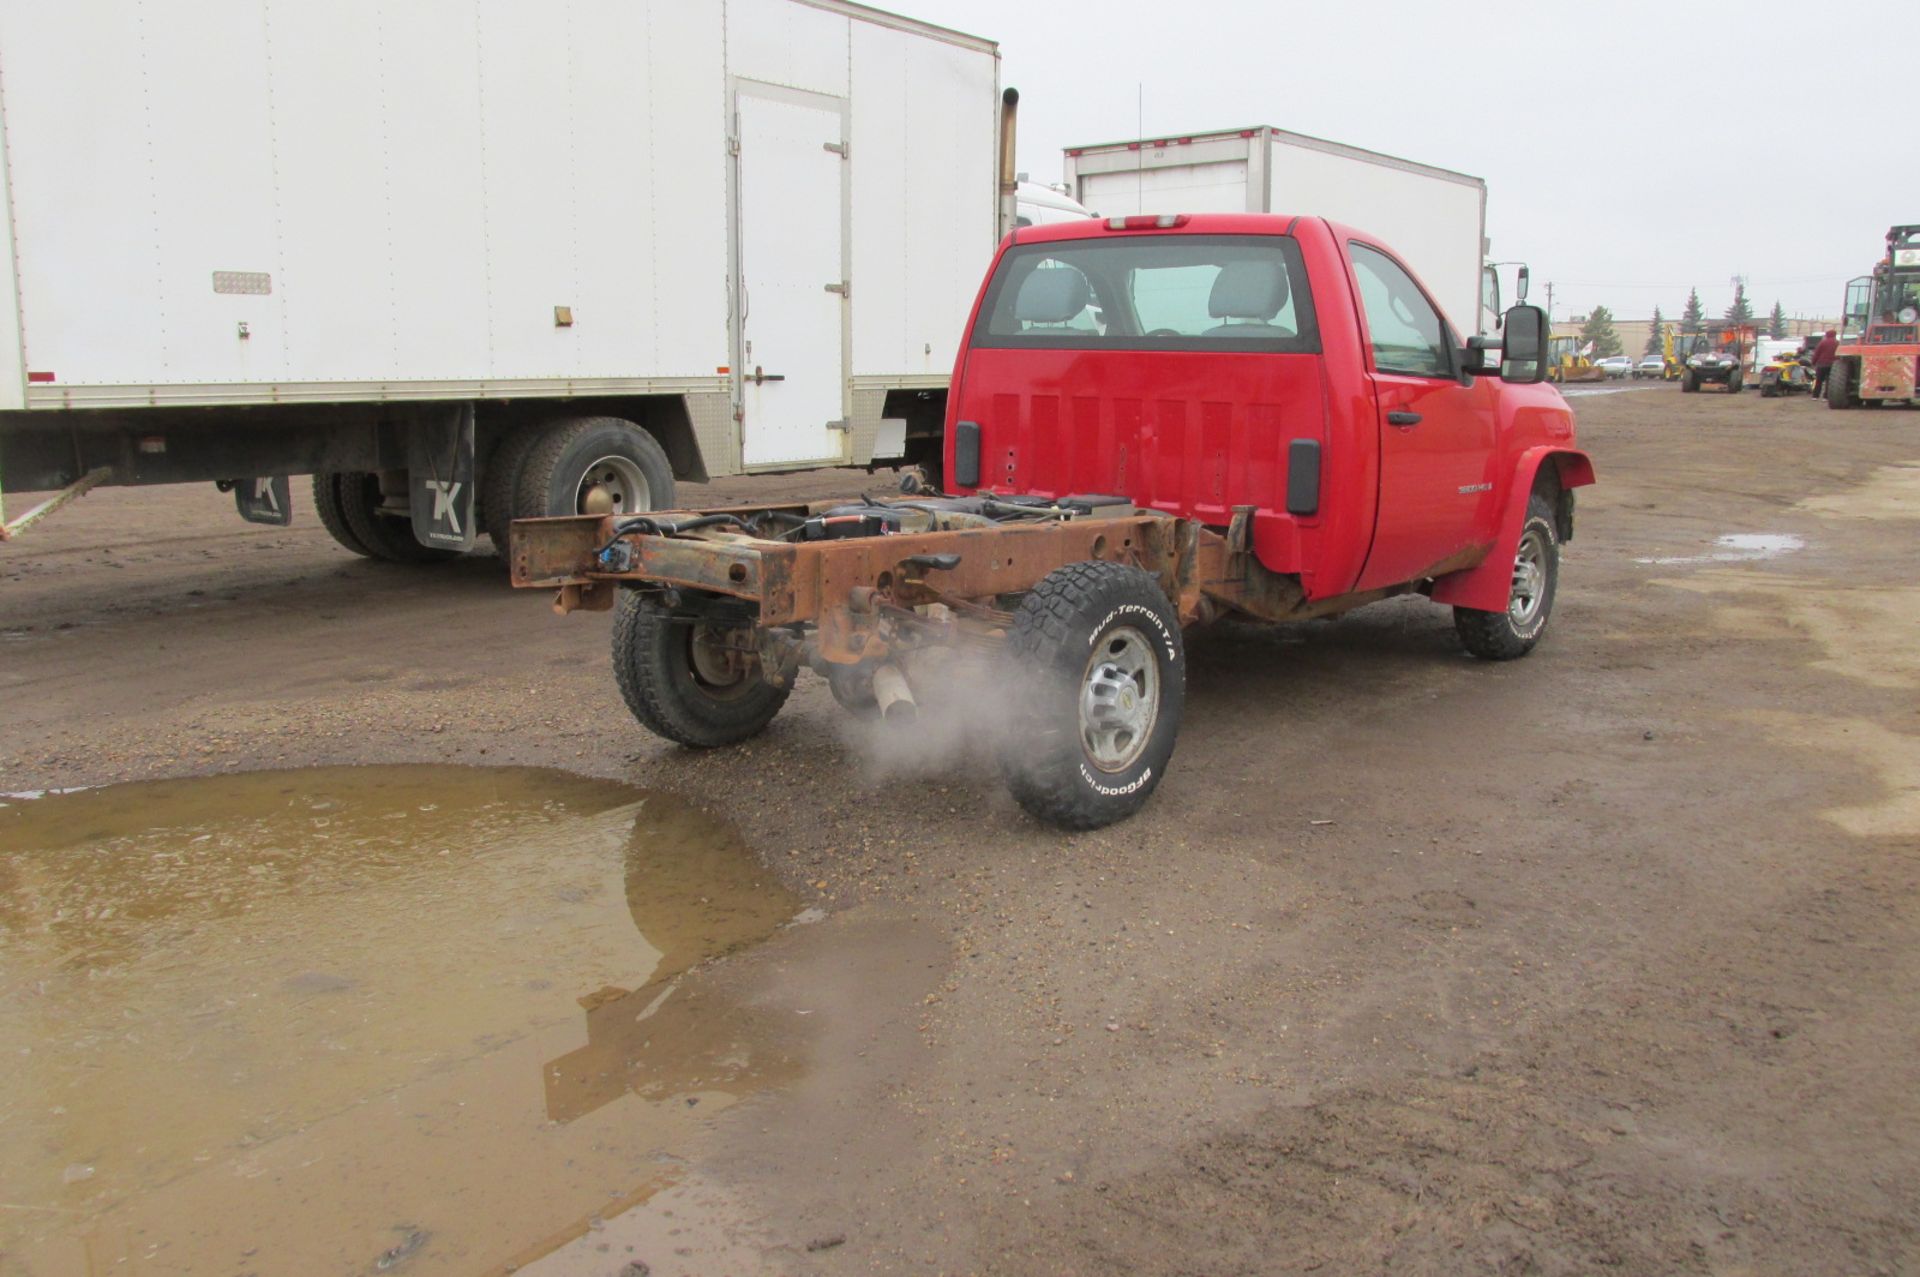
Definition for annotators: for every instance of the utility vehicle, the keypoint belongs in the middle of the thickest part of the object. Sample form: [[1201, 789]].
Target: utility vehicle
[[1154, 421]]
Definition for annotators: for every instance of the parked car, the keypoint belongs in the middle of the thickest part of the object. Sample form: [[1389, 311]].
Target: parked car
[[1652, 366], [1615, 366]]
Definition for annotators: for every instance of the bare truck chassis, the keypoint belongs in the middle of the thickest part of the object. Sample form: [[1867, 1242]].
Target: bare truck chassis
[[720, 612]]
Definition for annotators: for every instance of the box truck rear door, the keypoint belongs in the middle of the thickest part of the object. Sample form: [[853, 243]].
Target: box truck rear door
[[792, 292]]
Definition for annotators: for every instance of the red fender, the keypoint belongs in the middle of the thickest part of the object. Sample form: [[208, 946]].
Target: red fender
[[1486, 588]]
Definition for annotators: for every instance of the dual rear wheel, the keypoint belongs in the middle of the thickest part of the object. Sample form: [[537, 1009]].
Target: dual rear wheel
[[580, 465]]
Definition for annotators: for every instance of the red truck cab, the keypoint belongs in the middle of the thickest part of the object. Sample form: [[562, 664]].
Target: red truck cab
[[1287, 369]]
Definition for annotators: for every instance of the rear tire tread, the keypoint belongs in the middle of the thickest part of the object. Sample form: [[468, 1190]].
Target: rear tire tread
[[651, 672]]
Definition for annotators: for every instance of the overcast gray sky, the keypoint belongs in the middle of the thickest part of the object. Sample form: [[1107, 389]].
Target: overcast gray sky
[[1631, 150]]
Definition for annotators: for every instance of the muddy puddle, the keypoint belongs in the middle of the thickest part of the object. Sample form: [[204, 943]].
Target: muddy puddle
[[352, 1020]]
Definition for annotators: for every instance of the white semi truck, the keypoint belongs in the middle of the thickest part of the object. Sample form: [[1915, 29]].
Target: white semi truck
[[1435, 217], [465, 262]]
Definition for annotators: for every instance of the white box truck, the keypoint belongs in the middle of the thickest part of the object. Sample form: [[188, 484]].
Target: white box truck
[[1435, 217], [555, 255]]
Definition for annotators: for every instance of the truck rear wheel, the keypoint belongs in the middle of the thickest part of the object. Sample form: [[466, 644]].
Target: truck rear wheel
[[1502, 636], [326, 504], [593, 465], [694, 681], [380, 535], [502, 476], [1096, 715]]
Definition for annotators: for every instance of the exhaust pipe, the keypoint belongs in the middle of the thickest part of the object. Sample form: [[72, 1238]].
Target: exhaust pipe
[[1009, 167], [894, 697]]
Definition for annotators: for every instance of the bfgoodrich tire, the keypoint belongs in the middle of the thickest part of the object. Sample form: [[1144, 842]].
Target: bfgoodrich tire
[[688, 679], [1097, 708], [1504, 635]]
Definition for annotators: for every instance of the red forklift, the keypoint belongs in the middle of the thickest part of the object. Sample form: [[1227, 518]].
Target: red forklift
[[1879, 356]]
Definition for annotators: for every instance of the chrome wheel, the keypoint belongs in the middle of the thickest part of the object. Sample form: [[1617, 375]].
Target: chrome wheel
[[1529, 597], [612, 485], [1119, 699]]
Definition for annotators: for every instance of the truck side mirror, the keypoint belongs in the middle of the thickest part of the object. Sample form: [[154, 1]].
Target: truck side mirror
[[1523, 359]]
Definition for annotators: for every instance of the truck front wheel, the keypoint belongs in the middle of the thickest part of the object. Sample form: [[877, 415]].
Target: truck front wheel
[[1839, 385], [690, 679], [1502, 636], [1094, 718]]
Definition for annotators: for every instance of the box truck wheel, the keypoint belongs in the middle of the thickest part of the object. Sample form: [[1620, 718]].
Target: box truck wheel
[[502, 476], [1502, 636], [692, 680], [593, 465], [381, 535], [1093, 720], [326, 503]]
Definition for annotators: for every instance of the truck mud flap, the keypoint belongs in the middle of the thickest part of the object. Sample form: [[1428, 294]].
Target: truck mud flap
[[440, 479], [264, 500]]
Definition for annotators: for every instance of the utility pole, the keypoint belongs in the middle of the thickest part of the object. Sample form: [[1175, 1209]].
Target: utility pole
[[1549, 303]]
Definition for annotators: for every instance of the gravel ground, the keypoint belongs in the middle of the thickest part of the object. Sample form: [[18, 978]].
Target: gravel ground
[[1601, 959]]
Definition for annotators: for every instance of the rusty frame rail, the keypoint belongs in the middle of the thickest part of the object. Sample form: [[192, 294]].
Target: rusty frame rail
[[797, 582], [1204, 571]]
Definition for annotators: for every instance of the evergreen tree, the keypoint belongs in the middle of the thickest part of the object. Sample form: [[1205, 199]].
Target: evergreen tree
[[1741, 312], [1656, 335], [1777, 322], [1691, 318], [1598, 331]]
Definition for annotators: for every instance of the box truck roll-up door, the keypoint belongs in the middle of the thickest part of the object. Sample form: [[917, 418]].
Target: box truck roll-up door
[[793, 287]]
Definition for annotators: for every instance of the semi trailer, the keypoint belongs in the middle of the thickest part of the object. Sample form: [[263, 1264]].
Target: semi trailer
[[465, 262]]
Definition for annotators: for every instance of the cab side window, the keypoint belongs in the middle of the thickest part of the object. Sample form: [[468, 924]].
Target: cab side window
[[1406, 332]]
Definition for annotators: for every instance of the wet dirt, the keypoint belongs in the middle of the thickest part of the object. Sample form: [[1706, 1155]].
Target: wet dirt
[[352, 1018], [1605, 960]]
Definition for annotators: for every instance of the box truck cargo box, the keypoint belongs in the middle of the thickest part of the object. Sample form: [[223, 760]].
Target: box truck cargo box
[[252, 238]]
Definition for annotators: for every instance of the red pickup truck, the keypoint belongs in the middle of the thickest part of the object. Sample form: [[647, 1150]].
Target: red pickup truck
[[1153, 422]]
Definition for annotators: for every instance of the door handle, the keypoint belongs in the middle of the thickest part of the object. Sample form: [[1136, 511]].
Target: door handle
[[1399, 418], [760, 377]]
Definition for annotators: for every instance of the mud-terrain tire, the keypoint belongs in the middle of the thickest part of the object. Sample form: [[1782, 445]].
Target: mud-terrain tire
[[1095, 710], [571, 458], [668, 672], [1689, 383], [1513, 632], [1839, 392], [326, 504], [384, 536], [501, 477]]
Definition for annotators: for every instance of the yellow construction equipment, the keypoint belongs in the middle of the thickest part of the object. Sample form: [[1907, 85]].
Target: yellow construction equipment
[[1567, 361]]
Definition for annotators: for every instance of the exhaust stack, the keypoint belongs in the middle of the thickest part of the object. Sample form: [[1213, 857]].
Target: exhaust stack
[[894, 697], [1009, 169]]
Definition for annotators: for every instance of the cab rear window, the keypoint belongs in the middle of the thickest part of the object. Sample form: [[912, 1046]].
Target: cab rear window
[[1152, 292]]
